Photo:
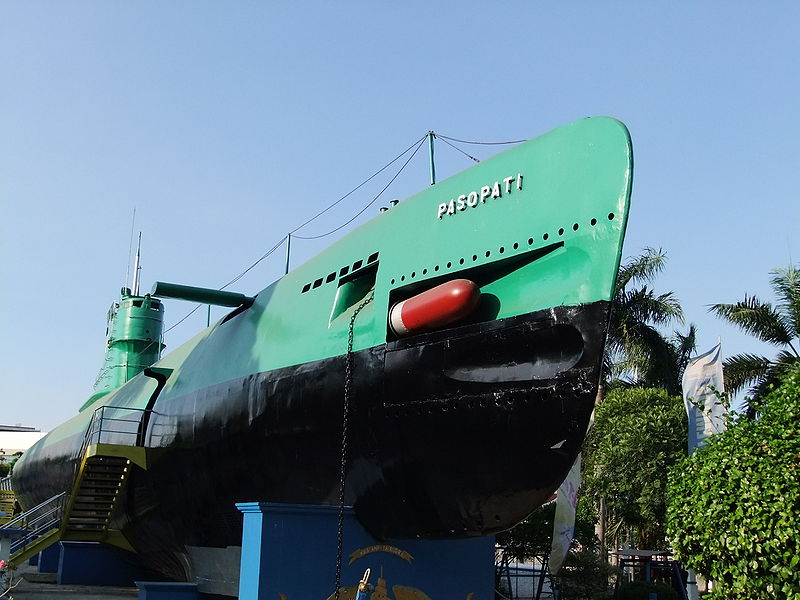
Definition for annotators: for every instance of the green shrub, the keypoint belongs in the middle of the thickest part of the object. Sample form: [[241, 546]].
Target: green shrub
[[585, 576], [637, 434], [641, 590], [734, 507]]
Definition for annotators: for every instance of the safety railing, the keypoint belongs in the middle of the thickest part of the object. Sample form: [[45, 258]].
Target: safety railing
[[116, 425], [5, 484], [36, 521]]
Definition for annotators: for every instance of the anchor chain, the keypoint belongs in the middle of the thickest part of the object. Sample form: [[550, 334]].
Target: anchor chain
[[348, 384]]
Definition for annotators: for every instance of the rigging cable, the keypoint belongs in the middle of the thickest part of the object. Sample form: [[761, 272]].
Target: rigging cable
[[416, 146], [268, 252], [456, 148], [322, 212], [362, 184], [417, 143], [371, 202], [452, 139], [232, 281], [186, 316]]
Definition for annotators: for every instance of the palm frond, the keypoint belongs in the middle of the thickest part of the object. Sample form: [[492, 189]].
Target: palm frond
[[785, 361], [642, 268], [683, 346], [757, 318], [744, 369], [636, 351], [755, 399], [644, 305], [786, 283]]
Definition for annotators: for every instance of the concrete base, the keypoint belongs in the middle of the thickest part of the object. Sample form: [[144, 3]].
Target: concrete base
[[92, 563], [289, 551], [165, 590]]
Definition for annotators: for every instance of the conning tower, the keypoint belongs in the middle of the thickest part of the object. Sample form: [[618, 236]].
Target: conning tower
[[134, 338]]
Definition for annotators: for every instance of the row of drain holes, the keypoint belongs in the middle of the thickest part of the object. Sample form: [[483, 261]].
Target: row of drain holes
[[342, 272], [502, 249]]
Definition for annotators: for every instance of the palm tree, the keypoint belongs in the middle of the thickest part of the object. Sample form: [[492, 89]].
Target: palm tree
[[778, 325], [681, 348], [636, 351]]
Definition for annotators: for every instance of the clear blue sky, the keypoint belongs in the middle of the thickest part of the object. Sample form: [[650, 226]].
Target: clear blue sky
[[227, 124]]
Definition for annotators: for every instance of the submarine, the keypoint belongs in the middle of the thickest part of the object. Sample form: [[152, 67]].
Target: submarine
[[456, 339]]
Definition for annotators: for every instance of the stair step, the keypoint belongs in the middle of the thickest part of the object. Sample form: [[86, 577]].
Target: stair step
[[93, 505], [103, 464], [108, 484], [107, 459], [97, 508], [104, 475], [101, 483], [89, 520], [86, 496], [104, 470], [94, 490], [95, 500], [73, 520]]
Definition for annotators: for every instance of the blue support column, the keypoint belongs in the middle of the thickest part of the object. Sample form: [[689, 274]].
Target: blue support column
[[253, 570], [49, 558], [93, 563], [289, 551]]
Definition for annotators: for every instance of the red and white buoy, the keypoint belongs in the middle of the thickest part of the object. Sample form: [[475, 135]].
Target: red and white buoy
[[435, 308]]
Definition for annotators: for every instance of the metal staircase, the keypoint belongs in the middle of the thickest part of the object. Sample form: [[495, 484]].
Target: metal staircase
[[102, 472], [32, 531]]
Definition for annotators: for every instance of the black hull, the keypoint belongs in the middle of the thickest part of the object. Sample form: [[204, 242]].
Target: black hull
[[456, 433]]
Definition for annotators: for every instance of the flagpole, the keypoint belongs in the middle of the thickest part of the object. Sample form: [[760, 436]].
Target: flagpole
[[702, 379]]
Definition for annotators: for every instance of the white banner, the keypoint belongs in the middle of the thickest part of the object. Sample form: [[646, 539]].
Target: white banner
[[702, 381], [564, 521]]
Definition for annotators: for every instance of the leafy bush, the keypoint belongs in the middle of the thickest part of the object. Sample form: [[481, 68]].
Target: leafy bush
[[734, 507], [585, 576], [638, 433]]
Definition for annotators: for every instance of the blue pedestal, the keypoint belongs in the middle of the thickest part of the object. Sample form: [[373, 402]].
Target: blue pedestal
[[289, 551], [92, 563], [48, 559], [166, 590]]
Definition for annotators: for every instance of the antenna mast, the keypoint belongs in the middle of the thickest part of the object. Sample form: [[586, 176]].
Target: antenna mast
[[137, 267], [431, 135]]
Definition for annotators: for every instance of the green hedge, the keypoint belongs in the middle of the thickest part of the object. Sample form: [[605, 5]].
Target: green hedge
[[641, 590], [734, 507]]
